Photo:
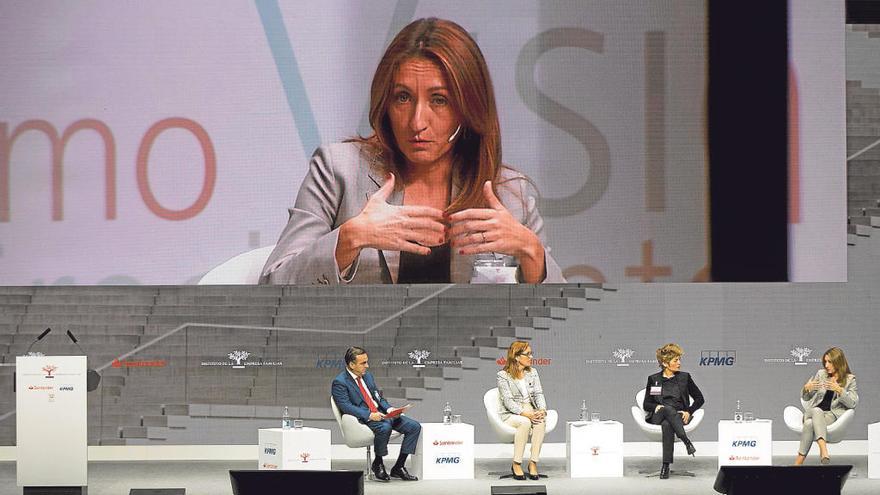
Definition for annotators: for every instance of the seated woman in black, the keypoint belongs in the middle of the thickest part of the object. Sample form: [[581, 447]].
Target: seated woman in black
[[668, 402]]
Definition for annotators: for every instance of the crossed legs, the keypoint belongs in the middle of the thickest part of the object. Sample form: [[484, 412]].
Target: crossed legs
[[816, 423]]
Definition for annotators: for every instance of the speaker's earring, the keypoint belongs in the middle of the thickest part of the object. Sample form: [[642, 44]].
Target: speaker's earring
[[452, 137]]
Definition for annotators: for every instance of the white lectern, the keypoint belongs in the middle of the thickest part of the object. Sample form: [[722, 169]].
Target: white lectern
[[50, 424]]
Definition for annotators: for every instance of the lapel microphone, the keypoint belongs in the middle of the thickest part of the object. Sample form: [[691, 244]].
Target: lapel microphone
[[457, 129]]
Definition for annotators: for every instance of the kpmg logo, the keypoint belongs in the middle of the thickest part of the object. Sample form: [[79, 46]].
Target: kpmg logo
[[717, 358], [447, 460], [35, 354], [622, 357], [330, 363], [744, 443], [238, 360], [65, 388], [799, 356], [270, 451]]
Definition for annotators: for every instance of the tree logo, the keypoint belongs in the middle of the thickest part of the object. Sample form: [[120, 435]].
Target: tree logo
[[305, 457], [623, 355], [801, 353], [49, 369], [419, 355], [595, 450], [238, 357]]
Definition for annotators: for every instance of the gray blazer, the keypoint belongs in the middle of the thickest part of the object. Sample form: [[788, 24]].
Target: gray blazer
[[512, 396], [340, 180], [849, 399]]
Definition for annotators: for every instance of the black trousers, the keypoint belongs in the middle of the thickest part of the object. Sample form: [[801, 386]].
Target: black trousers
[[671, 424]]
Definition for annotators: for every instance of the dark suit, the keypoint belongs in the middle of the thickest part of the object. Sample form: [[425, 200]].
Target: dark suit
[[675, 396], [349, 400]]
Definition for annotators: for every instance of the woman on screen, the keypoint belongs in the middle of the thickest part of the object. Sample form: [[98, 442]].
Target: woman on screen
[[668, 402], [826, 396], [523, 407], [416, 200]]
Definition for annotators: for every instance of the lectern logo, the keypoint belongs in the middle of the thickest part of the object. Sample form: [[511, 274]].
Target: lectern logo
[[49, 369], [419, 355], [305, 457]]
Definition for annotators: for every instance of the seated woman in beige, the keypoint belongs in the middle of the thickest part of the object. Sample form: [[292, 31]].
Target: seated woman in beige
[[523, 406], [826, 396]]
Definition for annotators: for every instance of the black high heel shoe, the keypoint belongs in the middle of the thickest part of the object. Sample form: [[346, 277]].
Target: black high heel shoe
[[518, 477], [531, 476], [691, 450]]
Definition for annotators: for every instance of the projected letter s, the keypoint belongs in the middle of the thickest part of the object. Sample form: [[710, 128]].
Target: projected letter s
[[564, 118]]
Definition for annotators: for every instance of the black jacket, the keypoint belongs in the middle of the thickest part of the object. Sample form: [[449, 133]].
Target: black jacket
[[686, 389]]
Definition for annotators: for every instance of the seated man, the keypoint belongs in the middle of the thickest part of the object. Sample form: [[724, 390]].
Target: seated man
[[355, 393]]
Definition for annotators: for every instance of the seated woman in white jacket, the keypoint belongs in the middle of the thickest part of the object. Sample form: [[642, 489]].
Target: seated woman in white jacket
[[523, 407], [826, 396]]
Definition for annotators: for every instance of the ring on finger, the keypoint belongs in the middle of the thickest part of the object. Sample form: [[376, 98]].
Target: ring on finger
[[483, 235]]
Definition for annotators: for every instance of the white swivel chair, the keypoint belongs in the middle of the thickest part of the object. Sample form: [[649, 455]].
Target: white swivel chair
[[655, 432], [794, 420], [243, 269], [505, 432], [356, 434]]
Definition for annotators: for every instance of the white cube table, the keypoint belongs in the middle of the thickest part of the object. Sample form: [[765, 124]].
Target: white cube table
[[294, 449], [445, 452], [594, 449], [746, 443], [874, 450]]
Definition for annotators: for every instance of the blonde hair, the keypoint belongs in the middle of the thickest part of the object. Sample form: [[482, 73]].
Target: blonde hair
[[838, 360], [515, 349], [667, 353]]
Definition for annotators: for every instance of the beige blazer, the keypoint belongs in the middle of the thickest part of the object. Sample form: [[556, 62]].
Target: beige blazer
[[340, 180], [849, 399]]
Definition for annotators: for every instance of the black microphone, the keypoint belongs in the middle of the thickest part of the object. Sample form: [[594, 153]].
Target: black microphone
[[39, 338], [92, 376]]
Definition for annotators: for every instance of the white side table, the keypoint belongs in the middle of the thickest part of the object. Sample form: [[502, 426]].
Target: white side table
[[294, 449], [594, 449], [445, 452], [874, 451], [746, 443]]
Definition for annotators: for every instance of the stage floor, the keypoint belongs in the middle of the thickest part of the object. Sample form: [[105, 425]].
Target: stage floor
[[212, 478]]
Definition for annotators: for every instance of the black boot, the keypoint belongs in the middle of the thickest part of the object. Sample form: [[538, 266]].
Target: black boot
[[689, 446], [664, 471]]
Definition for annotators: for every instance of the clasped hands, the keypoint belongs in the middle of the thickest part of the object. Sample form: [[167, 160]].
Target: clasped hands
[[415, 228], [535, 416]]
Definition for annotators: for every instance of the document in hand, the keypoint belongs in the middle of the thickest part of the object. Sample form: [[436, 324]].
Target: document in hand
[[397, 411]]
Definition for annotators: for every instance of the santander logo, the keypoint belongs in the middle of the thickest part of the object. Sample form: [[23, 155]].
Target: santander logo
[[535, 361]]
